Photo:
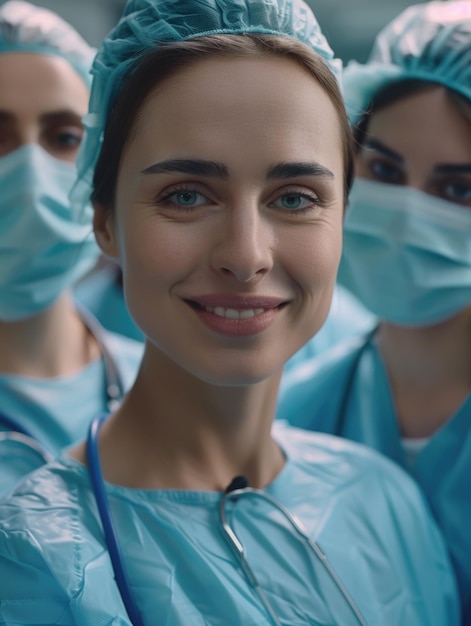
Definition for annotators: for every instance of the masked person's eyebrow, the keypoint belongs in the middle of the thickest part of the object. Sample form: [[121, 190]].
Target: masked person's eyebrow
[[65, 116], [378, 146], [453, 168]]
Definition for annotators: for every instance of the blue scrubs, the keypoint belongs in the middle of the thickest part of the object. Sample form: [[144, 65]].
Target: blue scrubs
[[347, 393], [366, 514], [347, 318], [57, 411], [101, 293]]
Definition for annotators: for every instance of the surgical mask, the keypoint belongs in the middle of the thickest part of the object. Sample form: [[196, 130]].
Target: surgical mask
[[407, 255], [42, 250]]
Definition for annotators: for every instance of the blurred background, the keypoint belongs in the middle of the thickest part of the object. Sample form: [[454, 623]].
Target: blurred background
[[350, 25]]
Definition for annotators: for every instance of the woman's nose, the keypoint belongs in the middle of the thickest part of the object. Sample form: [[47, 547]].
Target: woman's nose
[[244, 246]]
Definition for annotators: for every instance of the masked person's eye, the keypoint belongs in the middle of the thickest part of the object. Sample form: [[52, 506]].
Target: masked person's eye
[[386, 171]]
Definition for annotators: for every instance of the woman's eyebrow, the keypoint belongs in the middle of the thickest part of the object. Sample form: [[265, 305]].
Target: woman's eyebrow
[[214, 169], [377, 146], [453, 168], [292, 170], [194, 167]]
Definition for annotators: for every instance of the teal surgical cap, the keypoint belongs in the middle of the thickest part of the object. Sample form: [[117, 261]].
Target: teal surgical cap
[[147, 23], [429, 42], [25, 27]]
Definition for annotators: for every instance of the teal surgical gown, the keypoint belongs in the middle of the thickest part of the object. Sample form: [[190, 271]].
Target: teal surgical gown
[[367, 515], [347, 393], [57, 411]]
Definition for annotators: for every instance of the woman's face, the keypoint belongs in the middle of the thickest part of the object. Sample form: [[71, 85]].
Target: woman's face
[[422, 141], [42, 101], [228, 216]]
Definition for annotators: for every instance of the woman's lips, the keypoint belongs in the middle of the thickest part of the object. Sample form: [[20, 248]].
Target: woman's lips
[[234, 315]]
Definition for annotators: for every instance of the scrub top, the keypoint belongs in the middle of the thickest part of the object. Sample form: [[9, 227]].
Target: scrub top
[[347, 393], [347, 318], [57, 411], [367, 515], [101, 293]]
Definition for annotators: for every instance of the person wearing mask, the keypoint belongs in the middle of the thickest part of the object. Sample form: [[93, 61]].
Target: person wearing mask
[[405, 389], [221, 195], [58, 367]]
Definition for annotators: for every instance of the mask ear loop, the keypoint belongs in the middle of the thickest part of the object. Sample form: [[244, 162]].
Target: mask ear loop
[[96, 478]]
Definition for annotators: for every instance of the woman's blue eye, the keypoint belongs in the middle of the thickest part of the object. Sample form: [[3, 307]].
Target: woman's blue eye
[[294, 202], [186, 198]]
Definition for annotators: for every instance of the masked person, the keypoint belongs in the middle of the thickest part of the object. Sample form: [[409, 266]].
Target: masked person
[[221, 157], [57, 366], [405, 389]]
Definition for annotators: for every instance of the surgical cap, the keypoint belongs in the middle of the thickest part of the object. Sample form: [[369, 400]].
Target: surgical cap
[[429, 42], [25, 27], [147, 23]]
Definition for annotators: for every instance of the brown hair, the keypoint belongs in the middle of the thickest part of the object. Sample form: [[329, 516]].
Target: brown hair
[[159, 64], [397, 90]]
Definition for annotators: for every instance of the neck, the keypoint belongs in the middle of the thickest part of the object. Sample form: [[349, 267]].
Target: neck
[[53, 343], [178, 432], [429, 369]]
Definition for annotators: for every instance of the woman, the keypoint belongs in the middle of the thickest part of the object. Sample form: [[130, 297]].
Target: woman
[[57, 366], [219, 187], [405, 390]]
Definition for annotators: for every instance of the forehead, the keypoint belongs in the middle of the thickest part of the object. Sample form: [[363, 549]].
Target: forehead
[[218, 105], [31, 82], [424, 126]]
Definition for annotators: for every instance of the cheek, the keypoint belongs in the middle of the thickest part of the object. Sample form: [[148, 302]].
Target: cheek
[[158, 253], [318, 249]]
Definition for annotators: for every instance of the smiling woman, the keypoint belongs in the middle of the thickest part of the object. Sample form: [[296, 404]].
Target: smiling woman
[[223, 158]]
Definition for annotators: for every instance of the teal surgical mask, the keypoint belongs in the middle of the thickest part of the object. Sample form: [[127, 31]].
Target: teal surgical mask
[[407, 254], [42, 250]]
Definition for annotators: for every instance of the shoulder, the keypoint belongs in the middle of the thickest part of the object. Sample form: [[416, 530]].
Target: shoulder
[[313, 448], [366, 491], [52, 492], [49, 539], [38, 532], [372, 514], [347, 466]]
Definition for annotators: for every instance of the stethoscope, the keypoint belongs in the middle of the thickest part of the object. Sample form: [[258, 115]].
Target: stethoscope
[[114, 393], [237, 490]]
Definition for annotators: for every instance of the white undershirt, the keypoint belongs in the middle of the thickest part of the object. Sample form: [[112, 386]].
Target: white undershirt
[[412, 447]]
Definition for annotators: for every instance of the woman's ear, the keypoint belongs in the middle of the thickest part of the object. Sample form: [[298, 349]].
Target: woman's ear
[[103, 226]]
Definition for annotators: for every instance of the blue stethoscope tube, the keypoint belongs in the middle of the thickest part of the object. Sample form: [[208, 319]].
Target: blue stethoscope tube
[[96, 478]]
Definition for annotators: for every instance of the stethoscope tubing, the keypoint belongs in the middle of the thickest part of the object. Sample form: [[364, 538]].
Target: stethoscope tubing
[[98, 485]]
